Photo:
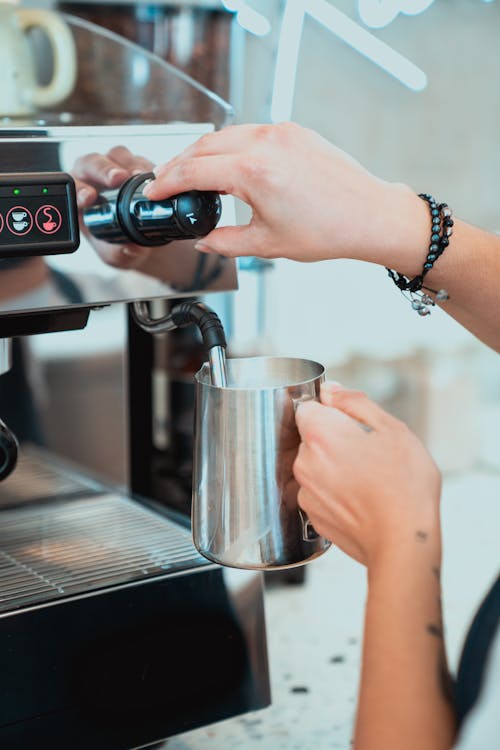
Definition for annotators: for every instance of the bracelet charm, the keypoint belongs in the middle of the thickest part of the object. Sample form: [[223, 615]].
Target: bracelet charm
[[441, 231]]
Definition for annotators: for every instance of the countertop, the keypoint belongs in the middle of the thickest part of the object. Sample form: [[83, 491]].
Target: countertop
[[314, 630]]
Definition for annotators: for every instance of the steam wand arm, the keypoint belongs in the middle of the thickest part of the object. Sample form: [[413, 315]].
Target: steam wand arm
[[184, 314]]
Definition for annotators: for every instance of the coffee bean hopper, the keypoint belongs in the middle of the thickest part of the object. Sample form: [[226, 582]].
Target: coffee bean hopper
[[115, 633]]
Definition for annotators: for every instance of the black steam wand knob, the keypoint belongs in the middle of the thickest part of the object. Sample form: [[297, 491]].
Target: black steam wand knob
[[8, 451], [126, 215]]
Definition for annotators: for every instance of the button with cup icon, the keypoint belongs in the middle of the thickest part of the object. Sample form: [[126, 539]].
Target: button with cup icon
[[19, 220], [48, 219]]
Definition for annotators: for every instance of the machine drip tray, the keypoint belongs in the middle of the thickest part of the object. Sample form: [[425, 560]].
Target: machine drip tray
[[108, 613], [63, 533], [39, 476], [56, 550]]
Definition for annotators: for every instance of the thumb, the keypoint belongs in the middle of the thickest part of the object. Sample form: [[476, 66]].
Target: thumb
[[314, 420], [232, 242]]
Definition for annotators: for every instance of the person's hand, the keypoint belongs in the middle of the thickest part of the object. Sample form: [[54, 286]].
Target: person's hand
[[366, 482], [94, 173], [310, 201]]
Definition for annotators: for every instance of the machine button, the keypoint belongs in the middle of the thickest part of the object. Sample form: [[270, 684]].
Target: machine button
[[19, 220], [1, 222], [48, 219]]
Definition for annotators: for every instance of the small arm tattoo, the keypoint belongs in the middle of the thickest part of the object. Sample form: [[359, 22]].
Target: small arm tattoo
[[435, 630]]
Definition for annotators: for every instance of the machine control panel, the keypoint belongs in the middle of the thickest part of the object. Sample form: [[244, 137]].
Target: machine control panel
[[38, 214]]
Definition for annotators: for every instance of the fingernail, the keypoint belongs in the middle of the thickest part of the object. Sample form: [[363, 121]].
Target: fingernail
[[202, 248], [147, 188], [131, 252], [333, 385], [83, 196]]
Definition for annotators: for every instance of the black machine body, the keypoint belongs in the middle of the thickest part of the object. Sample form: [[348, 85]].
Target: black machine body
[[126, 215], [38, 214]]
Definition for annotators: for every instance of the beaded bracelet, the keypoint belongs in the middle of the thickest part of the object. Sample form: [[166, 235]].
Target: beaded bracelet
[[441, 231]]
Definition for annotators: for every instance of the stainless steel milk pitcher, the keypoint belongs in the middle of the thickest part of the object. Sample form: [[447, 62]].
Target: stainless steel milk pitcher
[[245, 511]]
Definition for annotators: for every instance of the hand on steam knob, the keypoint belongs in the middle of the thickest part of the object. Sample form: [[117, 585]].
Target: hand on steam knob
[[310, 201]]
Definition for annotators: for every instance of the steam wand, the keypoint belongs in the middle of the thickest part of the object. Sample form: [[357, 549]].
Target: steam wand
[[8, 441], [5, 355], [184, 314]]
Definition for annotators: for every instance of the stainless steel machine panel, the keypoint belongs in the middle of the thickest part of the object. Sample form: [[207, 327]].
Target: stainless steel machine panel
[[129, 104], [101, 275]]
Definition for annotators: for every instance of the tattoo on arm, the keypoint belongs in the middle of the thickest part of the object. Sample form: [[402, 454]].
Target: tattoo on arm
[[435, 630]]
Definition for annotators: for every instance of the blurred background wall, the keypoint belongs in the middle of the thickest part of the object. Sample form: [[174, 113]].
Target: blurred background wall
[[442, 139]]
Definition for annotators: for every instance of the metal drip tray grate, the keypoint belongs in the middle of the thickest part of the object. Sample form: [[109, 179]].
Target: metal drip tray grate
[[56, 550], [37, 477]]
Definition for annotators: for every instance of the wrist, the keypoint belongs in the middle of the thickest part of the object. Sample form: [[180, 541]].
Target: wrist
[[407, 244], [418, 550]]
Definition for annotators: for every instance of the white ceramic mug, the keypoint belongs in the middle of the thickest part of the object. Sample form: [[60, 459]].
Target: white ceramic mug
[[20, 93]]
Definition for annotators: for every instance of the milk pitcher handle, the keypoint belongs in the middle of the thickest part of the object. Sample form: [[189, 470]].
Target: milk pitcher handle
[[309, 533]]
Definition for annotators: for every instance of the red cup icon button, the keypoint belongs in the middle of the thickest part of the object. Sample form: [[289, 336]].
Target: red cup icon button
[[48, 219], [19, 220]]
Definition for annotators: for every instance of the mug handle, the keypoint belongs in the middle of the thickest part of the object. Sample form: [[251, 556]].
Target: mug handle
[[63, 51], [309, 533]]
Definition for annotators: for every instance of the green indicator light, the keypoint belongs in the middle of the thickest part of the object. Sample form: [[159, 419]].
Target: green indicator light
[[16, 191], [45, 190]]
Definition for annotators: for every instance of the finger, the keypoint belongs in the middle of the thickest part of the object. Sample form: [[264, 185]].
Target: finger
[[328, 391], [86, 195], [232, 242], [122, 157], [303, 465], [233, 139], [358, 406], [99, 170], [219, 174], [316, 423]]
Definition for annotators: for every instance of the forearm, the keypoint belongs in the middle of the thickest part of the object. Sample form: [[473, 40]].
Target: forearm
[[469, 269], [405, 697]]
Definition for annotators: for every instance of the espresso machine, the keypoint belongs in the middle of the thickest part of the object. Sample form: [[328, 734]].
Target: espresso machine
[[114, 632]]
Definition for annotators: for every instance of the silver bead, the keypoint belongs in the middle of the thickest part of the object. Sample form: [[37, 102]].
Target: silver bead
[[426, 300], [416, 304], [424, 311], [447, 213], [442, 295], [449, 231]]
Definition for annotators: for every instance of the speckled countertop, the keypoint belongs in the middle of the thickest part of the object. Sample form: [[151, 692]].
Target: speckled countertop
[[314, 631]]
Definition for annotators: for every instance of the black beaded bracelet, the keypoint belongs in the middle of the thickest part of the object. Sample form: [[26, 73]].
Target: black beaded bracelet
[[441, 231]]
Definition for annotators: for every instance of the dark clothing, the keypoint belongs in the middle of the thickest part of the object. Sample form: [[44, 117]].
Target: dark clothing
[[471, 671]]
